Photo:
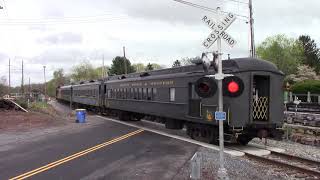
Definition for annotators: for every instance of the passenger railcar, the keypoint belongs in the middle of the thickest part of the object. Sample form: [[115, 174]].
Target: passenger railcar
[[64, 93], [87, 94], [186, 96]]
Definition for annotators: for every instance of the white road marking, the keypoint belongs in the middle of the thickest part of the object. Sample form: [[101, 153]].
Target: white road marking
[[209, 146]]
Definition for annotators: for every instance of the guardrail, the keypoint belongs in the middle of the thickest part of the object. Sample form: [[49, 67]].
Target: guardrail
[[290, 97]]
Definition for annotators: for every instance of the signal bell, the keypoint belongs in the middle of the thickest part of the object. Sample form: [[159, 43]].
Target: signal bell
[[205, 87]]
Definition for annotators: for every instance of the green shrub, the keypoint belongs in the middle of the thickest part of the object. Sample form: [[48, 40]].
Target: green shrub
[[23, 103], [38, 106], [303, 87]]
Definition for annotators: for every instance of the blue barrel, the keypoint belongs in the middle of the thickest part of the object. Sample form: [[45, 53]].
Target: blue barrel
[[81, 115]]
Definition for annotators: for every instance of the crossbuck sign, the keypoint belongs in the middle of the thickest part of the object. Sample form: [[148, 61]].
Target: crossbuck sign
[[218, 30]]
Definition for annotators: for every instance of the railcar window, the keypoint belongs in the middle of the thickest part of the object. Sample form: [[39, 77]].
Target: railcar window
[[112, 93], [131, 93], [135, 93], [172, 94], [149, 93], [125, 93], [109, 93], [117, 93], [140, 94], [154, 93], [144, 93]]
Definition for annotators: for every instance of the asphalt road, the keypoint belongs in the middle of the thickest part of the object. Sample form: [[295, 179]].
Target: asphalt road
[[107, 151]]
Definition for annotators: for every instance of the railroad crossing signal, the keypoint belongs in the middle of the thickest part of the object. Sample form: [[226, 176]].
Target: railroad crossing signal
[[218, 30], [218, 33]]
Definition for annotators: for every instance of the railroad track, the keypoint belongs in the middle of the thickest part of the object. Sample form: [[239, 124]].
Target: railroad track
[[304, 168]]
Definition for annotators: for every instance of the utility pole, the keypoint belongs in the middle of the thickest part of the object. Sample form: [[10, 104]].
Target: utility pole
[[252, 45], [22, 80], [29, 87], [222, 172], [125, 60], [45, 83], [103, 70], [9, 88]]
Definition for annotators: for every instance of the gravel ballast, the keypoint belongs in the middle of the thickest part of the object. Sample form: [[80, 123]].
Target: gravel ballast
[[301, 150]]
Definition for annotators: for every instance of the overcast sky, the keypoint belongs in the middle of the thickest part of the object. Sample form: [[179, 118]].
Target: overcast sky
[[61, 34]]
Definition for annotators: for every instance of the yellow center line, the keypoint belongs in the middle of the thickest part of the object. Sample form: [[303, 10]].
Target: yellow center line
[[74, 156]]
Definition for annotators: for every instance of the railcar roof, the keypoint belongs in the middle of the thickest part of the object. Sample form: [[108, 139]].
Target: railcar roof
[[235, 65], [251, 64], [232, 66], [86, 84]]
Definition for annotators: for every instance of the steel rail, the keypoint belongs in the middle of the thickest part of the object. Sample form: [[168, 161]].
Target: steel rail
[[301, 169]]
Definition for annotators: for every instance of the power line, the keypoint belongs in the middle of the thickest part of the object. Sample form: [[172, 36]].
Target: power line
[[206, 8], [47, 22], [241, 2]]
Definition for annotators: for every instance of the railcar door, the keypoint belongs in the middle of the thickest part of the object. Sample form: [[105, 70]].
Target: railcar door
[[194, 102]]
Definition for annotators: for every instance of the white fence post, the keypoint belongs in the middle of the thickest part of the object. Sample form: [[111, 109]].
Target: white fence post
[[196, 166], [290, 97], [309, 97]]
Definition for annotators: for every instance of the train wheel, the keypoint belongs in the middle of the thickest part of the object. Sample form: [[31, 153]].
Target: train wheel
[[124, 116], [244, 140], [202, 133], [136, 117]]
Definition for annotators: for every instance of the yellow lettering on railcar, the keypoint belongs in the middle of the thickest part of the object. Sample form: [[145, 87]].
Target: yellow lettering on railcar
[[125, 85], [161, 83], [152, 83]]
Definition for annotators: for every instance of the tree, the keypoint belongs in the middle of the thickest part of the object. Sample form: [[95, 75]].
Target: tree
[[157, 66], [83, 72], [59, 79], [103, 71], [118, 66], [285, 52], [149, 67], [311, 52], [139, 67], [3, 86], [188, 61], [304, 73], [176, 63]]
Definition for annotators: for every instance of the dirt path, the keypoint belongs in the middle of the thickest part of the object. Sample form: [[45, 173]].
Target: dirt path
[[17, 128]]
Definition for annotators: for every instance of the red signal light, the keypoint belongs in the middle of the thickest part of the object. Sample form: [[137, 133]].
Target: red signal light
[[233, 87], [203, 87]]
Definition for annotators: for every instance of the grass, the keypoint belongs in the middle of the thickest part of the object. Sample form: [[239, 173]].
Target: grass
[[38, 106]]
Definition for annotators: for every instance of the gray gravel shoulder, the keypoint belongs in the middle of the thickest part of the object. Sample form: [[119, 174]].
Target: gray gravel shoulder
[[238, 168], [305, 151]]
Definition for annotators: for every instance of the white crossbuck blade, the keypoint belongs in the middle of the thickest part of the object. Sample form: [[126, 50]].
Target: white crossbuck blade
[[218, 30]]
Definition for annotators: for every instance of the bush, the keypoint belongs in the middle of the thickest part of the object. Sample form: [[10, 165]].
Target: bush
[[38, 106], [313, 86], [22, 102]]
